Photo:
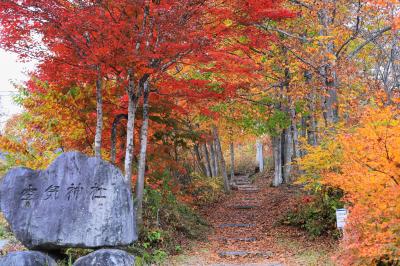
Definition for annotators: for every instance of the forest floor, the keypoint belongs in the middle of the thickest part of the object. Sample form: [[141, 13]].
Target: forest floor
[[247, 222]]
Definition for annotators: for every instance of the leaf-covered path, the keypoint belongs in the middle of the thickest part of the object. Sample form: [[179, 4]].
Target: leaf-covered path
[[246, 231]]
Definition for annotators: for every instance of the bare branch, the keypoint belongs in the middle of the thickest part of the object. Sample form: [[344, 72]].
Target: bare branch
[[372, 38]]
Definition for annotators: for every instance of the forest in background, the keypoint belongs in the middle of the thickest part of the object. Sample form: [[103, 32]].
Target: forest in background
[[173, 91]]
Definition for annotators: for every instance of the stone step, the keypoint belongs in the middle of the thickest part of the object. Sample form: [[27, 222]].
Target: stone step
[[249, 189], [243, 178], [251, 264], [242, 184], [239, 239], [241, 253], [240, 178], [245, 207], [236, 225], [247, 186]]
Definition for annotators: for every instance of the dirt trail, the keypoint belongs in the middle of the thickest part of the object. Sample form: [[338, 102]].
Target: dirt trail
[[246, 231]]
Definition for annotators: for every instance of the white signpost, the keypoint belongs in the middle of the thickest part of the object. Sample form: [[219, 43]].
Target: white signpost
[[341, 216]]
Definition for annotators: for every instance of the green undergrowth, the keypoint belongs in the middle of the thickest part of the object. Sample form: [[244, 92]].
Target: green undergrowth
[[203, 190], [316, 213], [168, 223]]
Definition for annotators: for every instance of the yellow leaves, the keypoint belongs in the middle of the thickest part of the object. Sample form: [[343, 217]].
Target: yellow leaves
[[365, 163], [228, 22], [324, 39], [331, 56], [320, 160]]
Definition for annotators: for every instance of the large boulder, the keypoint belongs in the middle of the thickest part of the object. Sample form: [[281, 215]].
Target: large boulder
[[78, 201], [106, 257], [27, 258]]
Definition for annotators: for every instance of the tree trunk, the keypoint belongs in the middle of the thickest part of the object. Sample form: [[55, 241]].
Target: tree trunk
[[212, 159], [199, 161], [115, 124], [277, 151], [232, 146], [295, 131], [303, 132], [331, 106], [260, 155], [217, 159], [309, 123], [130, 127], [207, 160], [142, 155], [287, 150], [312, 129], [99, 122], [227, 187]]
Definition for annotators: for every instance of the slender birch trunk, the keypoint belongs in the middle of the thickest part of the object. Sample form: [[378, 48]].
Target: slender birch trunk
[[99, 111], [130, 127], [227, 187], [295, 131], [232, 147], [207, 160], [216, 162], [260, 155], [277, 151], [212, 159], [142, 155], [287, 150], [115, 124], [199, 160]]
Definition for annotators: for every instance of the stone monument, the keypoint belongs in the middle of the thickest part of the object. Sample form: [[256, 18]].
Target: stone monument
[[77, 202]]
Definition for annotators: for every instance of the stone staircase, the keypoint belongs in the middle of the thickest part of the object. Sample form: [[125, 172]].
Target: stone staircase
[[240, 238]]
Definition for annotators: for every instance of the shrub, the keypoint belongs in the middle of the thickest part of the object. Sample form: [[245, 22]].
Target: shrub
[[317, 214], [166, 222], [204, 190], [364, 161]]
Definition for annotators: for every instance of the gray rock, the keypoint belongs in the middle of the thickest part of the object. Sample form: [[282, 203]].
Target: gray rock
[[27, 258], [239, 239], [78, 201], [241, 253], [106, 257]]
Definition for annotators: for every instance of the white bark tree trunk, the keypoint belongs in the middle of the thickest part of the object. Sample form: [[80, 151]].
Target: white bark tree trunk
[[277, 151], [130, 127], [295, 131], [117, 119], [260, 155], [227, 187], [142, 155], [212, 160], [99, 115], [207, 160], [216, 163], [232, 146], [287, 150]]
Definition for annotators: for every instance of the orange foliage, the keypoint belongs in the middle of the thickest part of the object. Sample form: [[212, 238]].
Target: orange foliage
[[370, 175]]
